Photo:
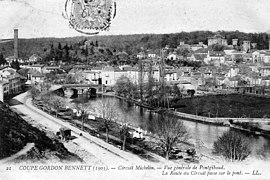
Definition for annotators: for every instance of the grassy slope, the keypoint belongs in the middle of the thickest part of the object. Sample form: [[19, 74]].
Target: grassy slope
[[15, 133]]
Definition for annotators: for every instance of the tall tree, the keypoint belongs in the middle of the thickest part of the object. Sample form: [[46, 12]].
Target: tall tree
[[2, 59], [108, 111], [170, 131], [15, 64], [83, 110]]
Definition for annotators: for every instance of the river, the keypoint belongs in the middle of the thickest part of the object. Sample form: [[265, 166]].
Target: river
[[205, 133]]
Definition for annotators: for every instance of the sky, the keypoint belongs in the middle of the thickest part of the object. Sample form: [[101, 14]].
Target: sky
[[43, 18]]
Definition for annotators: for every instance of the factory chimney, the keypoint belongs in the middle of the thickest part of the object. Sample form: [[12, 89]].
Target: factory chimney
[[16, 53]]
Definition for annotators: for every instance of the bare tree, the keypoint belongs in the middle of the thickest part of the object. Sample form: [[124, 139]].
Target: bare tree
[[34, 92], [83, 110], [232, 146], [57, 103], [44, 87], [108, 111], [170, 131], [124, 133], [124, 128]]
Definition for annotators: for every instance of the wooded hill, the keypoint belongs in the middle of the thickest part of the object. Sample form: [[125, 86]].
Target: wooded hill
[[132, 44]]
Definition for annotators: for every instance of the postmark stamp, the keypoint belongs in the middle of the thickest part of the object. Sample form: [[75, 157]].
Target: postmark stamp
[[89, 16]]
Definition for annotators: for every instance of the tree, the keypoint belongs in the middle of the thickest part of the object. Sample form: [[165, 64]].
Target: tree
[[34, 92], [124, 128], [124, 87], [83, 110], [15, 64], [44, 87], [66, 52], [57, 103], [109, 112], [2, 59], [170, 131], [70, 79], [191, 92], [183, 51], [124, 134], [176, 91], [232, 146]]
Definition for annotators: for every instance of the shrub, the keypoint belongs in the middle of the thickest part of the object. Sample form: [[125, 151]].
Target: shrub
[[264, 152], [232, 146]]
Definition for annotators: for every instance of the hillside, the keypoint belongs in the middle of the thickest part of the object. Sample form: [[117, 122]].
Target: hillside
[[15, 133], [132, 44]]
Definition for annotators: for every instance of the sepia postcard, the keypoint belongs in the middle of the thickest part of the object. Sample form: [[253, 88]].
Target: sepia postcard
[[134, 89]]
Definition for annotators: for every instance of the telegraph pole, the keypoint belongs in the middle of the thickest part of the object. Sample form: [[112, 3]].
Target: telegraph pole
[[162, 74], [141, 79]]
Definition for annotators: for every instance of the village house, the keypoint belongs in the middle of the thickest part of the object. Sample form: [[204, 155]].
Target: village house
[[172, 56], [252, 78], [13, 78], [256, 57], [37, 67], [216, 58], [265, 81], [233, 71], [94, 75], [4, 89], [34, 58], [198, 46], [265, 56], [151, 54], [37, 77], [48, 69], [264, 71], [170, 76], [141, 55], [10, 59], [111, 74], [217, 39], [197, 57], [232, 82], [185, 86], [132, 73], [254, 68]]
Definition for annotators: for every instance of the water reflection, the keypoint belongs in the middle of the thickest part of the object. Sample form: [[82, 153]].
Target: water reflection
[[141, 117]]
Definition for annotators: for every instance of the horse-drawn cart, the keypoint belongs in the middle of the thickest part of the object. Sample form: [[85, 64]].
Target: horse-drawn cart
[[64, 133]]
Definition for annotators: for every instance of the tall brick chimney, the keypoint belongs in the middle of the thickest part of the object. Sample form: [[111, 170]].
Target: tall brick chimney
[[16, 53]]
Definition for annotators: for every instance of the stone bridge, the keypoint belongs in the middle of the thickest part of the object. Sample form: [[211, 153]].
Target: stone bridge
[[77, 89]]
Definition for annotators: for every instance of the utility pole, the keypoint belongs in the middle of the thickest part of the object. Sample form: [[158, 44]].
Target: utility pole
[[150, 81], [162, 74], [141, 79]]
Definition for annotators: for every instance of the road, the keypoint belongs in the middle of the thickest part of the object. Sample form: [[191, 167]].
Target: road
[[106, 153]]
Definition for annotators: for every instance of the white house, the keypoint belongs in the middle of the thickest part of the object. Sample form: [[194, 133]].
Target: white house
[[37, 67], [256, 57], [171, 76], [172, 56], [111, 74]]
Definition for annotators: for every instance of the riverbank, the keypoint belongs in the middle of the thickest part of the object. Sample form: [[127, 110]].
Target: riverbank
[[89, 148], [146, 148], [234, 123]]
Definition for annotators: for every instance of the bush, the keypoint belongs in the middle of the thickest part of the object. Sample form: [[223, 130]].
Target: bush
[[232, 146], [264, 152]]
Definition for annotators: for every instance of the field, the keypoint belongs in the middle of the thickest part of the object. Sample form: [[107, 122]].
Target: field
[[235, 105]]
